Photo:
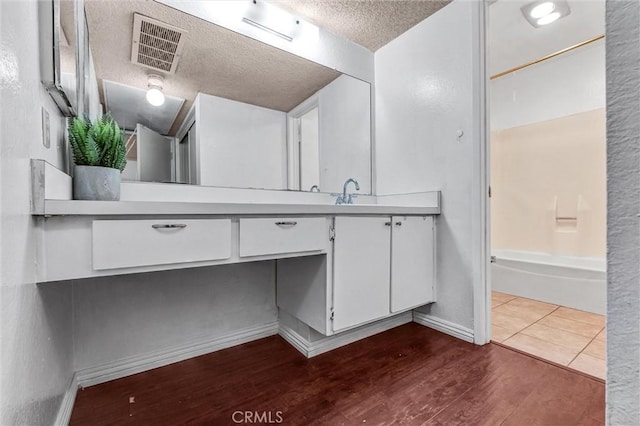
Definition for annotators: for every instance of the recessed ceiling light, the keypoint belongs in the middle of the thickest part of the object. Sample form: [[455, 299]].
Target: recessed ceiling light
[[543, 12], [549, 18], [543, 9]]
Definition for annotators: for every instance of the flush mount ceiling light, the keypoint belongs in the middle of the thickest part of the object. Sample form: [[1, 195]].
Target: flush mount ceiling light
[[154, 95], [542, 9], [257, 19], [540, 13], [272, 20]]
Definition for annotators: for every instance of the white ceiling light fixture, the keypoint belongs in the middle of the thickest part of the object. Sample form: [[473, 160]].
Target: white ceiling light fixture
[[272, 20], [154, 95], [542, 9], [540, 13], [257, 19], [267, 29]]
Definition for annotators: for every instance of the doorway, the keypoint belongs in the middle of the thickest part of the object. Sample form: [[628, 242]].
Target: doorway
[[548, 181], [304, 146]]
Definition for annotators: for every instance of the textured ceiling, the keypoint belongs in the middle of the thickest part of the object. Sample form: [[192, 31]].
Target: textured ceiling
[[214, 61], [369, 23]]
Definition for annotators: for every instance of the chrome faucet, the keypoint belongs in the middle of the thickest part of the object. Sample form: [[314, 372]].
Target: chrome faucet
[[345, 198], [314, 188]]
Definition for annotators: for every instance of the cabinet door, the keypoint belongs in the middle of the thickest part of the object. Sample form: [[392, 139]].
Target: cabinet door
[[361, 270], [412, 262]]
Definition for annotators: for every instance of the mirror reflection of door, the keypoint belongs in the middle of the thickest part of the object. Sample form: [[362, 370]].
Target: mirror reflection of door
[[155, 156], [185, 158], [308, 151]]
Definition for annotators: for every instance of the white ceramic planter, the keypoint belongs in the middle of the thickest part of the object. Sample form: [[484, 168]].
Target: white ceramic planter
[[96, 183]]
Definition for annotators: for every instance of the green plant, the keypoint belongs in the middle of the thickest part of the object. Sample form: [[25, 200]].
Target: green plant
[[98, 144]]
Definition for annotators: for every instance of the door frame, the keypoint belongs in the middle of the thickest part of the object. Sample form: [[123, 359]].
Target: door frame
[[481, 219], [293, 149]]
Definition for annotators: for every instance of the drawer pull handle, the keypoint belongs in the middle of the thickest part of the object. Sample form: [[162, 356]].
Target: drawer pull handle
[[387, 224], [398, 223], [169, 226], [289, 223]]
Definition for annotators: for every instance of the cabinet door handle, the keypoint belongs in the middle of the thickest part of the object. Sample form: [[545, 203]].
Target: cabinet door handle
[[398, 223], [387, 224], [288, 223], [169, 225]]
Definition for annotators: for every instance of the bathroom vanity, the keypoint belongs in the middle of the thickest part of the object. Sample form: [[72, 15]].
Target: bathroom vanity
[[338, 266]]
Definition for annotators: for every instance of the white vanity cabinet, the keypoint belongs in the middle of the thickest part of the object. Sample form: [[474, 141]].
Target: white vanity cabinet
[[271, 236], [412, 262], [378, 266], [132, 243], [361, 270]]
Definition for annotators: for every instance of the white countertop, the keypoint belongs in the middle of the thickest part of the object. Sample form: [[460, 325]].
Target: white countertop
[[51, 196], [136, 208]]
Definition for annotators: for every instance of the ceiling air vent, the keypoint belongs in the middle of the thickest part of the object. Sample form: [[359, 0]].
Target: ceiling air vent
[[155, 44]]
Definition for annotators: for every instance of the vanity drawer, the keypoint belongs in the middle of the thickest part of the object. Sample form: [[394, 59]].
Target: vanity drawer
[[130, 243], [282, 235]]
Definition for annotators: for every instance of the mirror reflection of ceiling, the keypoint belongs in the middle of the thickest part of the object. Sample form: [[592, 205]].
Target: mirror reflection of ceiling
[[220, 62], [369, 23], [514, 42], [215, 60]]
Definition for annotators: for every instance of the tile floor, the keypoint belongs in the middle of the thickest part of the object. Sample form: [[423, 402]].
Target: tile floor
[[562, 335]]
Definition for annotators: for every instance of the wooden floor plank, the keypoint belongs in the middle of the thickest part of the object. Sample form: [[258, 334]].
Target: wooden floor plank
[[410, 375]]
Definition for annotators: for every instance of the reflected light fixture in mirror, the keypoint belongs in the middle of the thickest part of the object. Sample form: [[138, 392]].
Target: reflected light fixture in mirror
[[154, 95], [540, 13], [254, 18]]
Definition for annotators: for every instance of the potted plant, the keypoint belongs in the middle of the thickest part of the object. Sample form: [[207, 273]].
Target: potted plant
[[99, 153]]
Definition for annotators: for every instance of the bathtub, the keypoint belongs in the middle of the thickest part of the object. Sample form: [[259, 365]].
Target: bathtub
[[575, 282]]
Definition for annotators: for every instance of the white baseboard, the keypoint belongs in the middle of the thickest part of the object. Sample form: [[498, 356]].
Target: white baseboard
[[326, 344], [137, 364], [446, 327], [66, 407]]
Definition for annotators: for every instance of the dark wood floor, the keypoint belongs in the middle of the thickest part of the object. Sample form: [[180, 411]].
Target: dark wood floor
[[410, 375]]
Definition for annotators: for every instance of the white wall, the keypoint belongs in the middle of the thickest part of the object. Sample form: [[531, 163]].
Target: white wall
[[130, 172], [623, 188], [95, 107], [425, 93], [345, 134], [35, 323], [309, 150], [131, 315], [567, 84], [240, 145]]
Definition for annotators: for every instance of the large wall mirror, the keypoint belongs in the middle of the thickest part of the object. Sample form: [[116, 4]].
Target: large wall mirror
[[234, 112]]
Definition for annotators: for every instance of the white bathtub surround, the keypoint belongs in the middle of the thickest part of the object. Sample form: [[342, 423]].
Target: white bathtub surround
[[561, 280], [593, 264]]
